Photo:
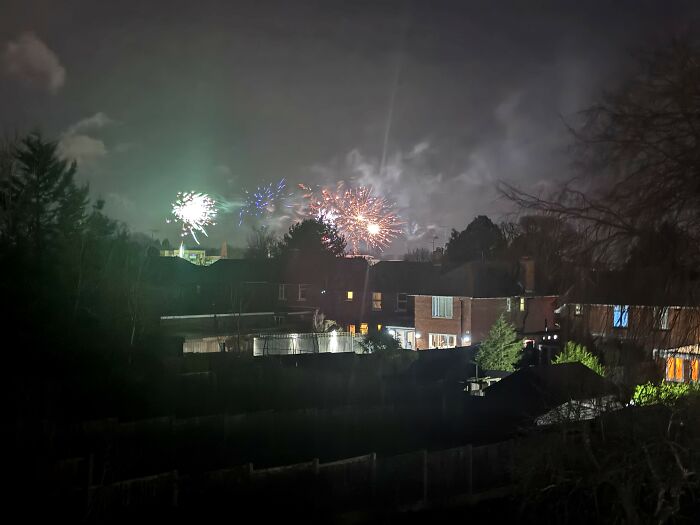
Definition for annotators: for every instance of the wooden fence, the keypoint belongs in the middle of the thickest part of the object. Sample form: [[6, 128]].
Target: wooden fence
[[417, 480]]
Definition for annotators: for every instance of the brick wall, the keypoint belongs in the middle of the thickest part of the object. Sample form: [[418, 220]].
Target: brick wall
[[426, 324], [643, 329]]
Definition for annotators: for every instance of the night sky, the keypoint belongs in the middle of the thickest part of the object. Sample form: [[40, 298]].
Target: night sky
[[163, 96]]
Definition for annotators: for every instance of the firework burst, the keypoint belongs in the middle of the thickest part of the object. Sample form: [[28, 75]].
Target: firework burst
[[265, 200], [361, 217], [194, 211]]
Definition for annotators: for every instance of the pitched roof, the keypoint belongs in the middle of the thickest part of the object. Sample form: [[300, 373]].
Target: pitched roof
[[536, 390]]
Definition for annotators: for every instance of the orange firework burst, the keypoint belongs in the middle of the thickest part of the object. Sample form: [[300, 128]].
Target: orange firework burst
[[361, 217]]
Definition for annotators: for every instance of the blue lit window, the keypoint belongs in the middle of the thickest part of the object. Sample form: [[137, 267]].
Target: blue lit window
[[620, 316]]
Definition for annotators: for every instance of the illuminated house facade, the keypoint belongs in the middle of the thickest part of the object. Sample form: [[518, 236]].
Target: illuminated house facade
[[655, 317], [443, 321]]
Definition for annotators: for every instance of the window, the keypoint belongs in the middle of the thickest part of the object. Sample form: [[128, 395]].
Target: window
[[376, 300], [694, 370], [674, 369], [442, 340], [620, 316], [351, 329], [509, 304], [401, 302], [442, 307], [661, 317], [349, 296], [578, 309], [379, 328], [522, 304], [303, 291], [282, 294], [364, 328]]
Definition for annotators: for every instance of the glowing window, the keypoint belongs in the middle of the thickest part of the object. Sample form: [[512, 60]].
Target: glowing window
[[442, 307], [379, 328], [442, 340], [376, 300], [364, 328], [509, 304], [674, 369], [349, 295], [620, 316], [522, 304], [694, 370], [578, 309], [351, 329]]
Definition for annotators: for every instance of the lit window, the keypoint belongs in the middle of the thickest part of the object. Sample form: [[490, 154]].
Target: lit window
[[694, 370], [674, 369], [442, 340], [282, 292], [442, 307], [376, 300], [661, 317], [509, 304], [351, 329], [364, 328], [620, 316], [522, 304], [401, 302], [303, 291], [349, 295], [379, 328], [578, 309]]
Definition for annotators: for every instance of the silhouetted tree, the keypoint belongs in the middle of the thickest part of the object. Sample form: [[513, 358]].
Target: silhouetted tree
[[418, 255], [379, 341], [640, 157], [481, 240], [261, 243], [312, 237], [41, 201]]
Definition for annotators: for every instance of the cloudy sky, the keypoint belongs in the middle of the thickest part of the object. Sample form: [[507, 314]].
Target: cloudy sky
[[152, 98]]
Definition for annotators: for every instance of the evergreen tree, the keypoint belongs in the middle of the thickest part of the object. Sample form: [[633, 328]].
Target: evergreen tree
[[576, 353], [313, 237], [501, 350]]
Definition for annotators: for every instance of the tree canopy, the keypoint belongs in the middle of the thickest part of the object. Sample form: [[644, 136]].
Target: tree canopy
[[576, 353], [501, 349], [312, 237], [481, 240]]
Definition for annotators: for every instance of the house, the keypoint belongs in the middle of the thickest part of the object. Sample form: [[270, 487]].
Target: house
[[662, 321], [460, 307]]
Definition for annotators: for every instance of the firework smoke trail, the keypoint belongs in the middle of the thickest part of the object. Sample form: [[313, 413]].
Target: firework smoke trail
[[362, 218], [194, 211], [265, 200]]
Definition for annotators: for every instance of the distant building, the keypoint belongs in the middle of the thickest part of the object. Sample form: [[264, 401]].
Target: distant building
[[198, 257]]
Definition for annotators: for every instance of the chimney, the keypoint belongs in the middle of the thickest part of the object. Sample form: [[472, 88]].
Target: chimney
[[527, 274]]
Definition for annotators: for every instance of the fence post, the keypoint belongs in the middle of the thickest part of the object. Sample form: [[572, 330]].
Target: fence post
[[425, 477], [470, 465], [176, 482], [373, 475], [88, 490]]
